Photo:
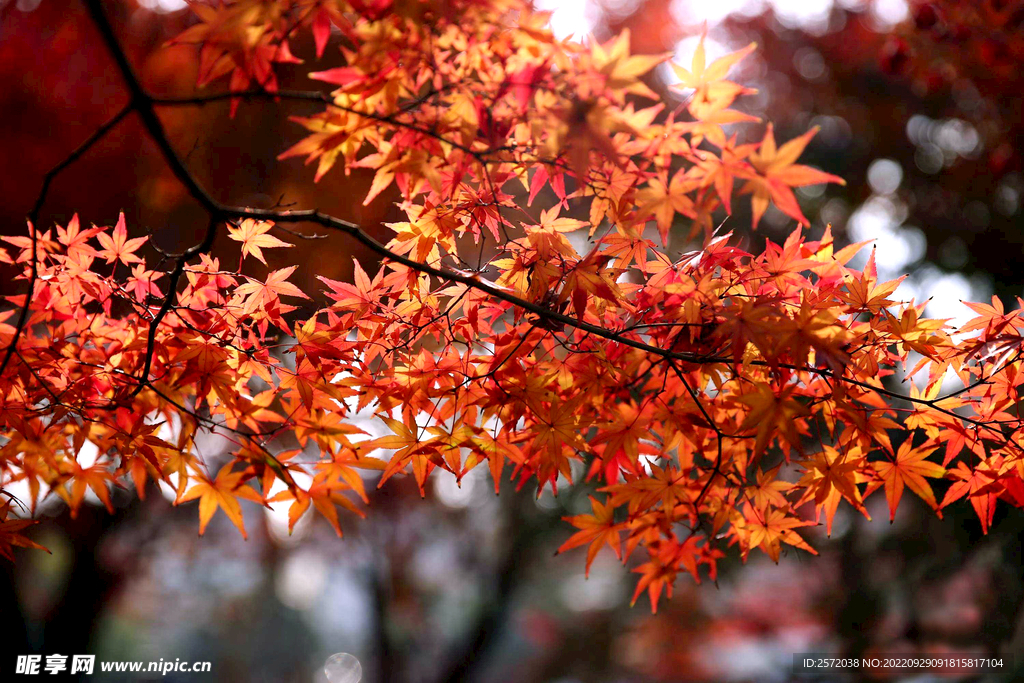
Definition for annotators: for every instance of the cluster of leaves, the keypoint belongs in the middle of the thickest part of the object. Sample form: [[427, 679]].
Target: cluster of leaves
[[951, 39], [688, 388], [958, 45]]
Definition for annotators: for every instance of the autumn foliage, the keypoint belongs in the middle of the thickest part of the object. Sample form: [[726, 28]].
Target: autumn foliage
[[530, 314]]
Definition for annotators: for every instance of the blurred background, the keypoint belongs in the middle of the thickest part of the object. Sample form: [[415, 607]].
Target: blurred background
[[919, 108]]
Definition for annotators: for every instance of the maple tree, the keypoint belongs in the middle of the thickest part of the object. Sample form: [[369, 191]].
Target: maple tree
[[529, 313]]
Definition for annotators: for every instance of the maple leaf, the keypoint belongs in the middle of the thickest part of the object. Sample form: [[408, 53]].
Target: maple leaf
[[344, 464], [772, 414], [223, 491], [831, 470], [768, 489], [597, 529], [722, 170], [778, 173], [831, 476], [993, 320], [769, 528], [10, 533], [590, 277], [496, 450], [143, 282], [358, 297], [708, 79], [408, 447], [624, 433], [264, 295], [664, 200], [325, 492], [865, 292], [556, 431], [980, 484], [915, 333], [253, 236], [96, 477], [620, 69], [543, 176], [76, 240], [43, 243], [656, 575], [909, 468], [667, 557], [669, 485], [237, 39], [550, 221], [334, 133], [118, 247]]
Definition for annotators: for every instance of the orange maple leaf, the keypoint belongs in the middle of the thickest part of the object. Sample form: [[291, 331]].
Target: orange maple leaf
[[253, 236], [981, 484], [222, 492], [778, 173], [597, 529], [768, 528], [910, 468], [266, 294], [325, 492]]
